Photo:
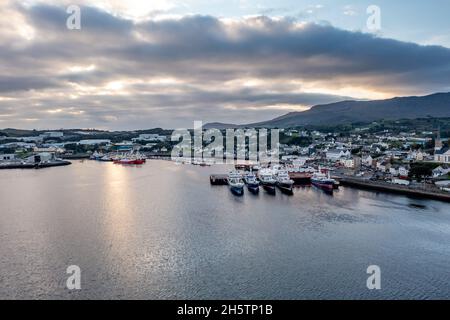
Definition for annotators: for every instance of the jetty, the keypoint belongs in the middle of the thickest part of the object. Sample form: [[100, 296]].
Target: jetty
[[218, 179], [412, 191], [40, 165]]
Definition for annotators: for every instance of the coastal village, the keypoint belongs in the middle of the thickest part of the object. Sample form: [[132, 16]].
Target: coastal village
[[404, 159]]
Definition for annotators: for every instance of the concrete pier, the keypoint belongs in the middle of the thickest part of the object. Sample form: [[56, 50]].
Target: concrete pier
[[18, 165], [218, 179], [393, 188]]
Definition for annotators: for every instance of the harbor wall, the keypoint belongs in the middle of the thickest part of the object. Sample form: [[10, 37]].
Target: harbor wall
[[398, 189]]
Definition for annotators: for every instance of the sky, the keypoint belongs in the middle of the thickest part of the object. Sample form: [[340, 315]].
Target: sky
[[165, 63]]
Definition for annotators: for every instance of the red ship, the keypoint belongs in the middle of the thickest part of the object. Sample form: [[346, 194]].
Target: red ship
[[130, 161], [131, 158]]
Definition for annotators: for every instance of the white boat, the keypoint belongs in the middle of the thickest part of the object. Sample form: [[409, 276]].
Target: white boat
[[284, 182], [252, 182], [235, 182], [322, 181], [96, 156], [105, 158], [267, 180], [129, 158]]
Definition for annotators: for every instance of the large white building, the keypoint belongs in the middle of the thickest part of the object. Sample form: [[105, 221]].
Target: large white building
[[336, 154], [442, 155], [150, 137], [93, 142]]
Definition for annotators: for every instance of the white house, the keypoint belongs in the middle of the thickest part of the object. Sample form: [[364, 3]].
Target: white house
[[399, 171], [367, 161], [336, 154], [440, 171], [416, 155], [383, 166], [403, 172], [348, 163]]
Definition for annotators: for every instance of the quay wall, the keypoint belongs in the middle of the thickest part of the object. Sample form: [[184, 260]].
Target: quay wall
[[416, 192]]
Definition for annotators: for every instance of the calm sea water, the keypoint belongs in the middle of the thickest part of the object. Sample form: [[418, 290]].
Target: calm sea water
[[160, 231]]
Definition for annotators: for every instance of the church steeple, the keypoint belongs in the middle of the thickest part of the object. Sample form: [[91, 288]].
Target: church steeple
[[438, 141]]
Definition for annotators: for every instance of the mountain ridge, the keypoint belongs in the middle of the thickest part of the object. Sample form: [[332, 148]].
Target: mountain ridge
[[436, 105]]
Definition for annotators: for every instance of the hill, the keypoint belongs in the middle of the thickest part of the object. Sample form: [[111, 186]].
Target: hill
[[351, 111]]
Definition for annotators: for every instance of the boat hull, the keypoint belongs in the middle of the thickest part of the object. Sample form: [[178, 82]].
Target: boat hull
[[285, 188], [237, 191], [253, 188], [326, 186], [269, 188], [130, 162]]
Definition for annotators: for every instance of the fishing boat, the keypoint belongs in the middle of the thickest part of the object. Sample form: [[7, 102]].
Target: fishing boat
[[235, 182], [252, 182], [322, 181], [267, 180], [300, 174], [284, 182], [96, 156], [105, 158], [130, 159]]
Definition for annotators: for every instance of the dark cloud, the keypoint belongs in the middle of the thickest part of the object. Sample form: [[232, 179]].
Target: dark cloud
[[52, 18], [211, 61], [12, 84]]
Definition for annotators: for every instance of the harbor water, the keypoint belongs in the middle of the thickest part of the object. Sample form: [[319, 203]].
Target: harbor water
[[161, 231]]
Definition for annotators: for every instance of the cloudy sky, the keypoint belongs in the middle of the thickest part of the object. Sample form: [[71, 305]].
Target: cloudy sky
[[165, 63]]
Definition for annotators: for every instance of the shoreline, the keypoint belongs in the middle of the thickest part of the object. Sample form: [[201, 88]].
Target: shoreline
[[394, 189], [219, 179]]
